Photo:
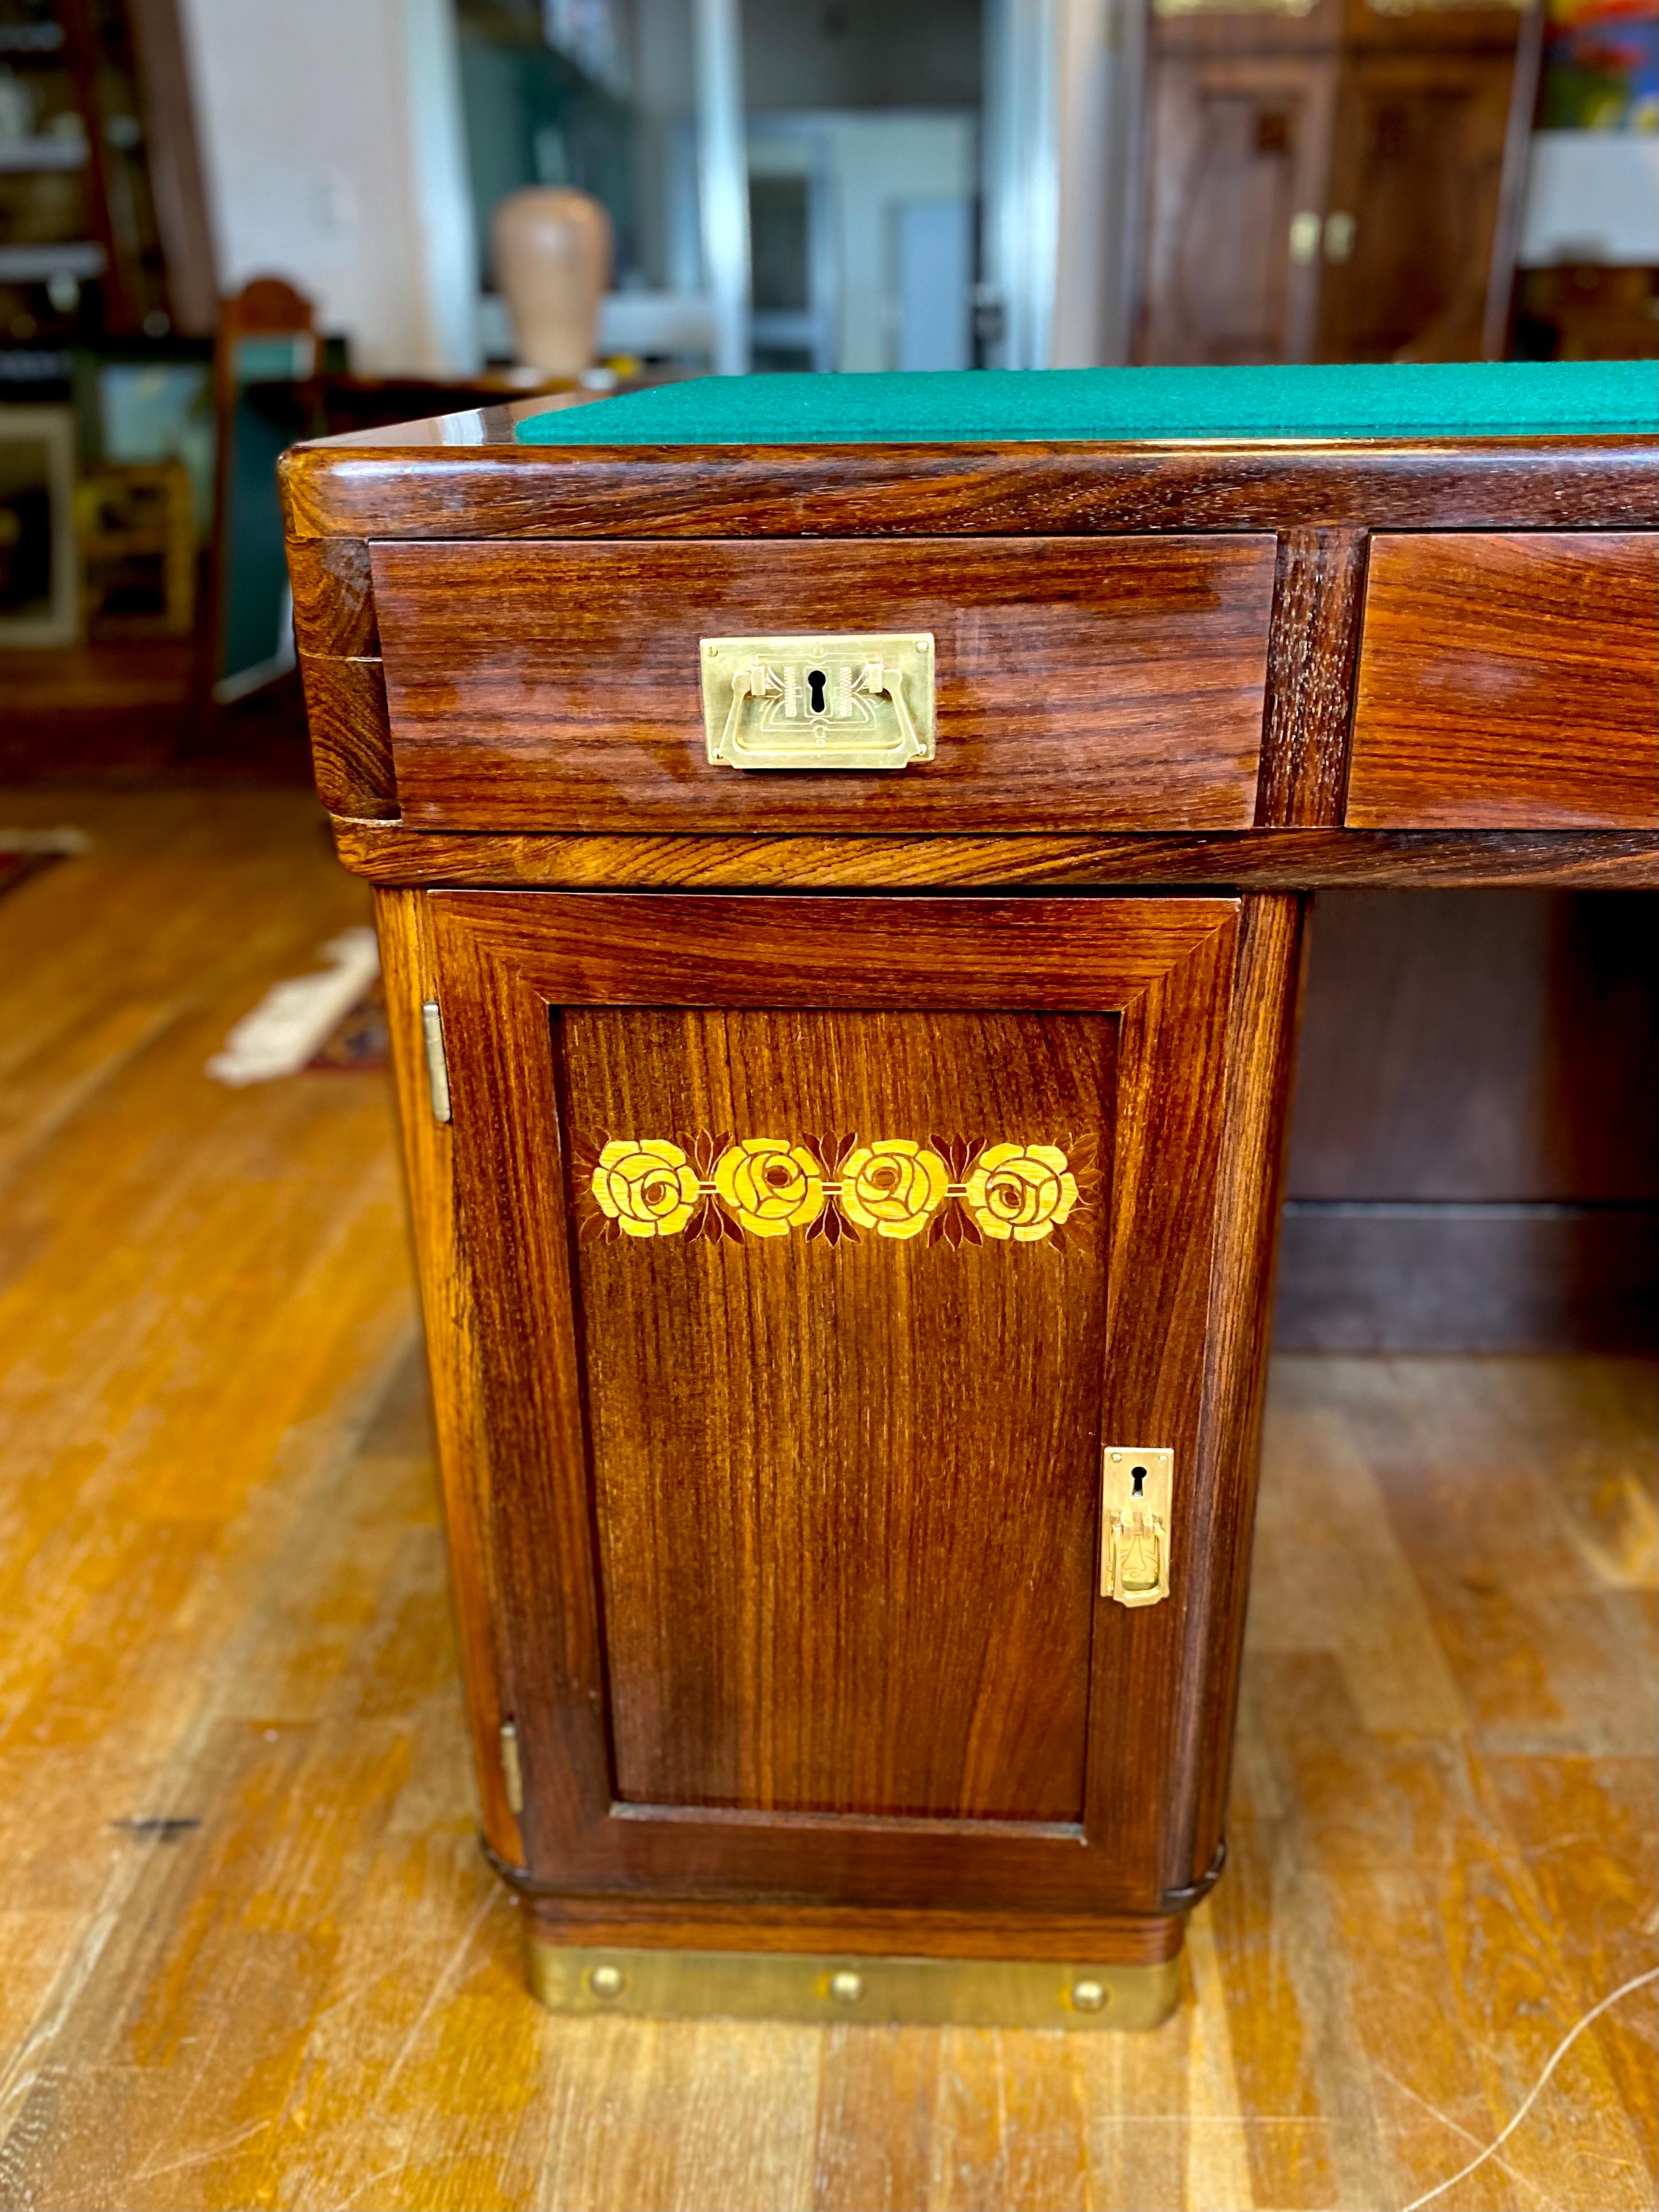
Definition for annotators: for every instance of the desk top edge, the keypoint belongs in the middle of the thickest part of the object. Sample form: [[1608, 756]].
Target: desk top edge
[[347, 488]]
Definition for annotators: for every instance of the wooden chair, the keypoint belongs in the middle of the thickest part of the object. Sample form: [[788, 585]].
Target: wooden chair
[[267, 393]]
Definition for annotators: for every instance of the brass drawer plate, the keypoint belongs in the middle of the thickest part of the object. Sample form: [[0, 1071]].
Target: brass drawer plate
[[847, 701]]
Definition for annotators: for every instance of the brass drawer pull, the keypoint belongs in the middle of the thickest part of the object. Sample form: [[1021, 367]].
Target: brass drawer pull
[[1136, 1497], [818, 702]]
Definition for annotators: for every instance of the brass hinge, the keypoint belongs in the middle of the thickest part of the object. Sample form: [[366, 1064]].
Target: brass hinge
[[437, 1062], [1137, 1491], [512, 1766]]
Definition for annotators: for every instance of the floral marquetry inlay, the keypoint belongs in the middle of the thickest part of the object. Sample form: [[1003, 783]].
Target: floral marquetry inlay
[[949, 1190]]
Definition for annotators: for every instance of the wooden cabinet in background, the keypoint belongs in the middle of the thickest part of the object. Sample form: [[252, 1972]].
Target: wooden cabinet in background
[[1329, 187], [1241, 147], [1417, 164]]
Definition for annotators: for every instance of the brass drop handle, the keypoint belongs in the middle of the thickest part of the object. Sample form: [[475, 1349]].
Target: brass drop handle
[[819, 743], [1341, 230], [1305, 229], [850, 702], [1141, 1566], [1137, 1499]]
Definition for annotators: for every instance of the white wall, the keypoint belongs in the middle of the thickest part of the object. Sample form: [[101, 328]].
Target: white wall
[[878, 161], [1093, 183], [1020, 114], [1592, 196], [332, 136]]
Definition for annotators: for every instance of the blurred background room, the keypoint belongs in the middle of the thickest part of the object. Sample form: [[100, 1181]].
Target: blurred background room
[[226, 224], [229, 224], [223, 224]]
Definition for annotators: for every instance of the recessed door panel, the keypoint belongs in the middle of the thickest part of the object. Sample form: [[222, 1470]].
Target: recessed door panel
[[842, 1313]]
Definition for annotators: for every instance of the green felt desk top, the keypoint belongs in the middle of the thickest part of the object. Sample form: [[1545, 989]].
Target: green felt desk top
[[1479, 399]]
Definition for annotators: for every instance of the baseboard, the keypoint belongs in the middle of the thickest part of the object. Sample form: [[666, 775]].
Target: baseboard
[[1420, 1276]]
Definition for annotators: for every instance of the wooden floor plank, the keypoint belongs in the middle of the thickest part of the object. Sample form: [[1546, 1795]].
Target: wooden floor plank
[[872, 2140], [223, 1607], [1588, 1829]]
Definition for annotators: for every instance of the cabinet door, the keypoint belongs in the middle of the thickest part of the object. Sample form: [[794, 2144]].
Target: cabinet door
[[1415, 179], [813, 1249], [1236, 159]]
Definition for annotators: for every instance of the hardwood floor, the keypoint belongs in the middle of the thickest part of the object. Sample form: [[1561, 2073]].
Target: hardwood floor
[[249, 1955]]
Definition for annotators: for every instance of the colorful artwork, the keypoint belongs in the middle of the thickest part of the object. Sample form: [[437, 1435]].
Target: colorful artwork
[[1602, 66]]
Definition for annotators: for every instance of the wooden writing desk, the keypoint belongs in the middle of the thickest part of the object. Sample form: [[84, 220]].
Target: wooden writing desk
[[841, 849]]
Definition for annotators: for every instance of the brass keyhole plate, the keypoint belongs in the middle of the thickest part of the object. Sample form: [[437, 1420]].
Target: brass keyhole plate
[[841, 699]]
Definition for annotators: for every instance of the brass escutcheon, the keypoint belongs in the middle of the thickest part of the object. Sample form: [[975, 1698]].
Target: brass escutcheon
[[847, 701]]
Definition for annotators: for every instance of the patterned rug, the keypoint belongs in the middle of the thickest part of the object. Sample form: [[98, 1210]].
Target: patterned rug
[[332, 1018], [358, 1043], [25, 853]]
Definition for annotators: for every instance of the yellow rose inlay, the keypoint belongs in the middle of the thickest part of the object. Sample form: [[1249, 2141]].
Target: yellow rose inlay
[[645, 1185], [710, 1188], [893, 1186], [1022, 1192], [769, 1185]]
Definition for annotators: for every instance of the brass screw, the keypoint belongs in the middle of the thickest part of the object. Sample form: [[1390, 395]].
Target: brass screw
[[1089, 1996], [846, 1988], [606, 1981]]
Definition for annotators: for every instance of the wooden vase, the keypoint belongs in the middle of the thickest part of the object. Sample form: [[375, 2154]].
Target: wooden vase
[[553, 264]]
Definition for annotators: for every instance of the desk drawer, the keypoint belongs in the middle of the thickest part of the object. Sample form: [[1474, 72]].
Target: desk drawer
[[1508, 681], [1081, 682]]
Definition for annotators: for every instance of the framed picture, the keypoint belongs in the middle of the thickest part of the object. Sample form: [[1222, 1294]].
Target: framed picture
[[40, 593], [141, 401]]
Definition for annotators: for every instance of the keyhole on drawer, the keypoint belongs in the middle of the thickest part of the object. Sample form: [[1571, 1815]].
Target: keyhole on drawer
[[1138, 1477], [816, 693]]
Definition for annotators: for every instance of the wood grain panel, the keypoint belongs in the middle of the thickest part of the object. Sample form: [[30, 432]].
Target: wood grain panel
[[1260, 1060], [1546, 1007], [404, 923], [1236, 145], [1279, 860], [1316, 632], [333, 596], [597, 948], [646, 1923], [846, 1497], [1508, 681], [1105, 685], [350, 741], [492, 489], [1166, 1167], [1164, 966], [1513, 1208], [1417, 162]]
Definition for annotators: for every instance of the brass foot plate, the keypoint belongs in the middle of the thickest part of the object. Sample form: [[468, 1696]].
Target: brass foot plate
[[821, 1986]]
